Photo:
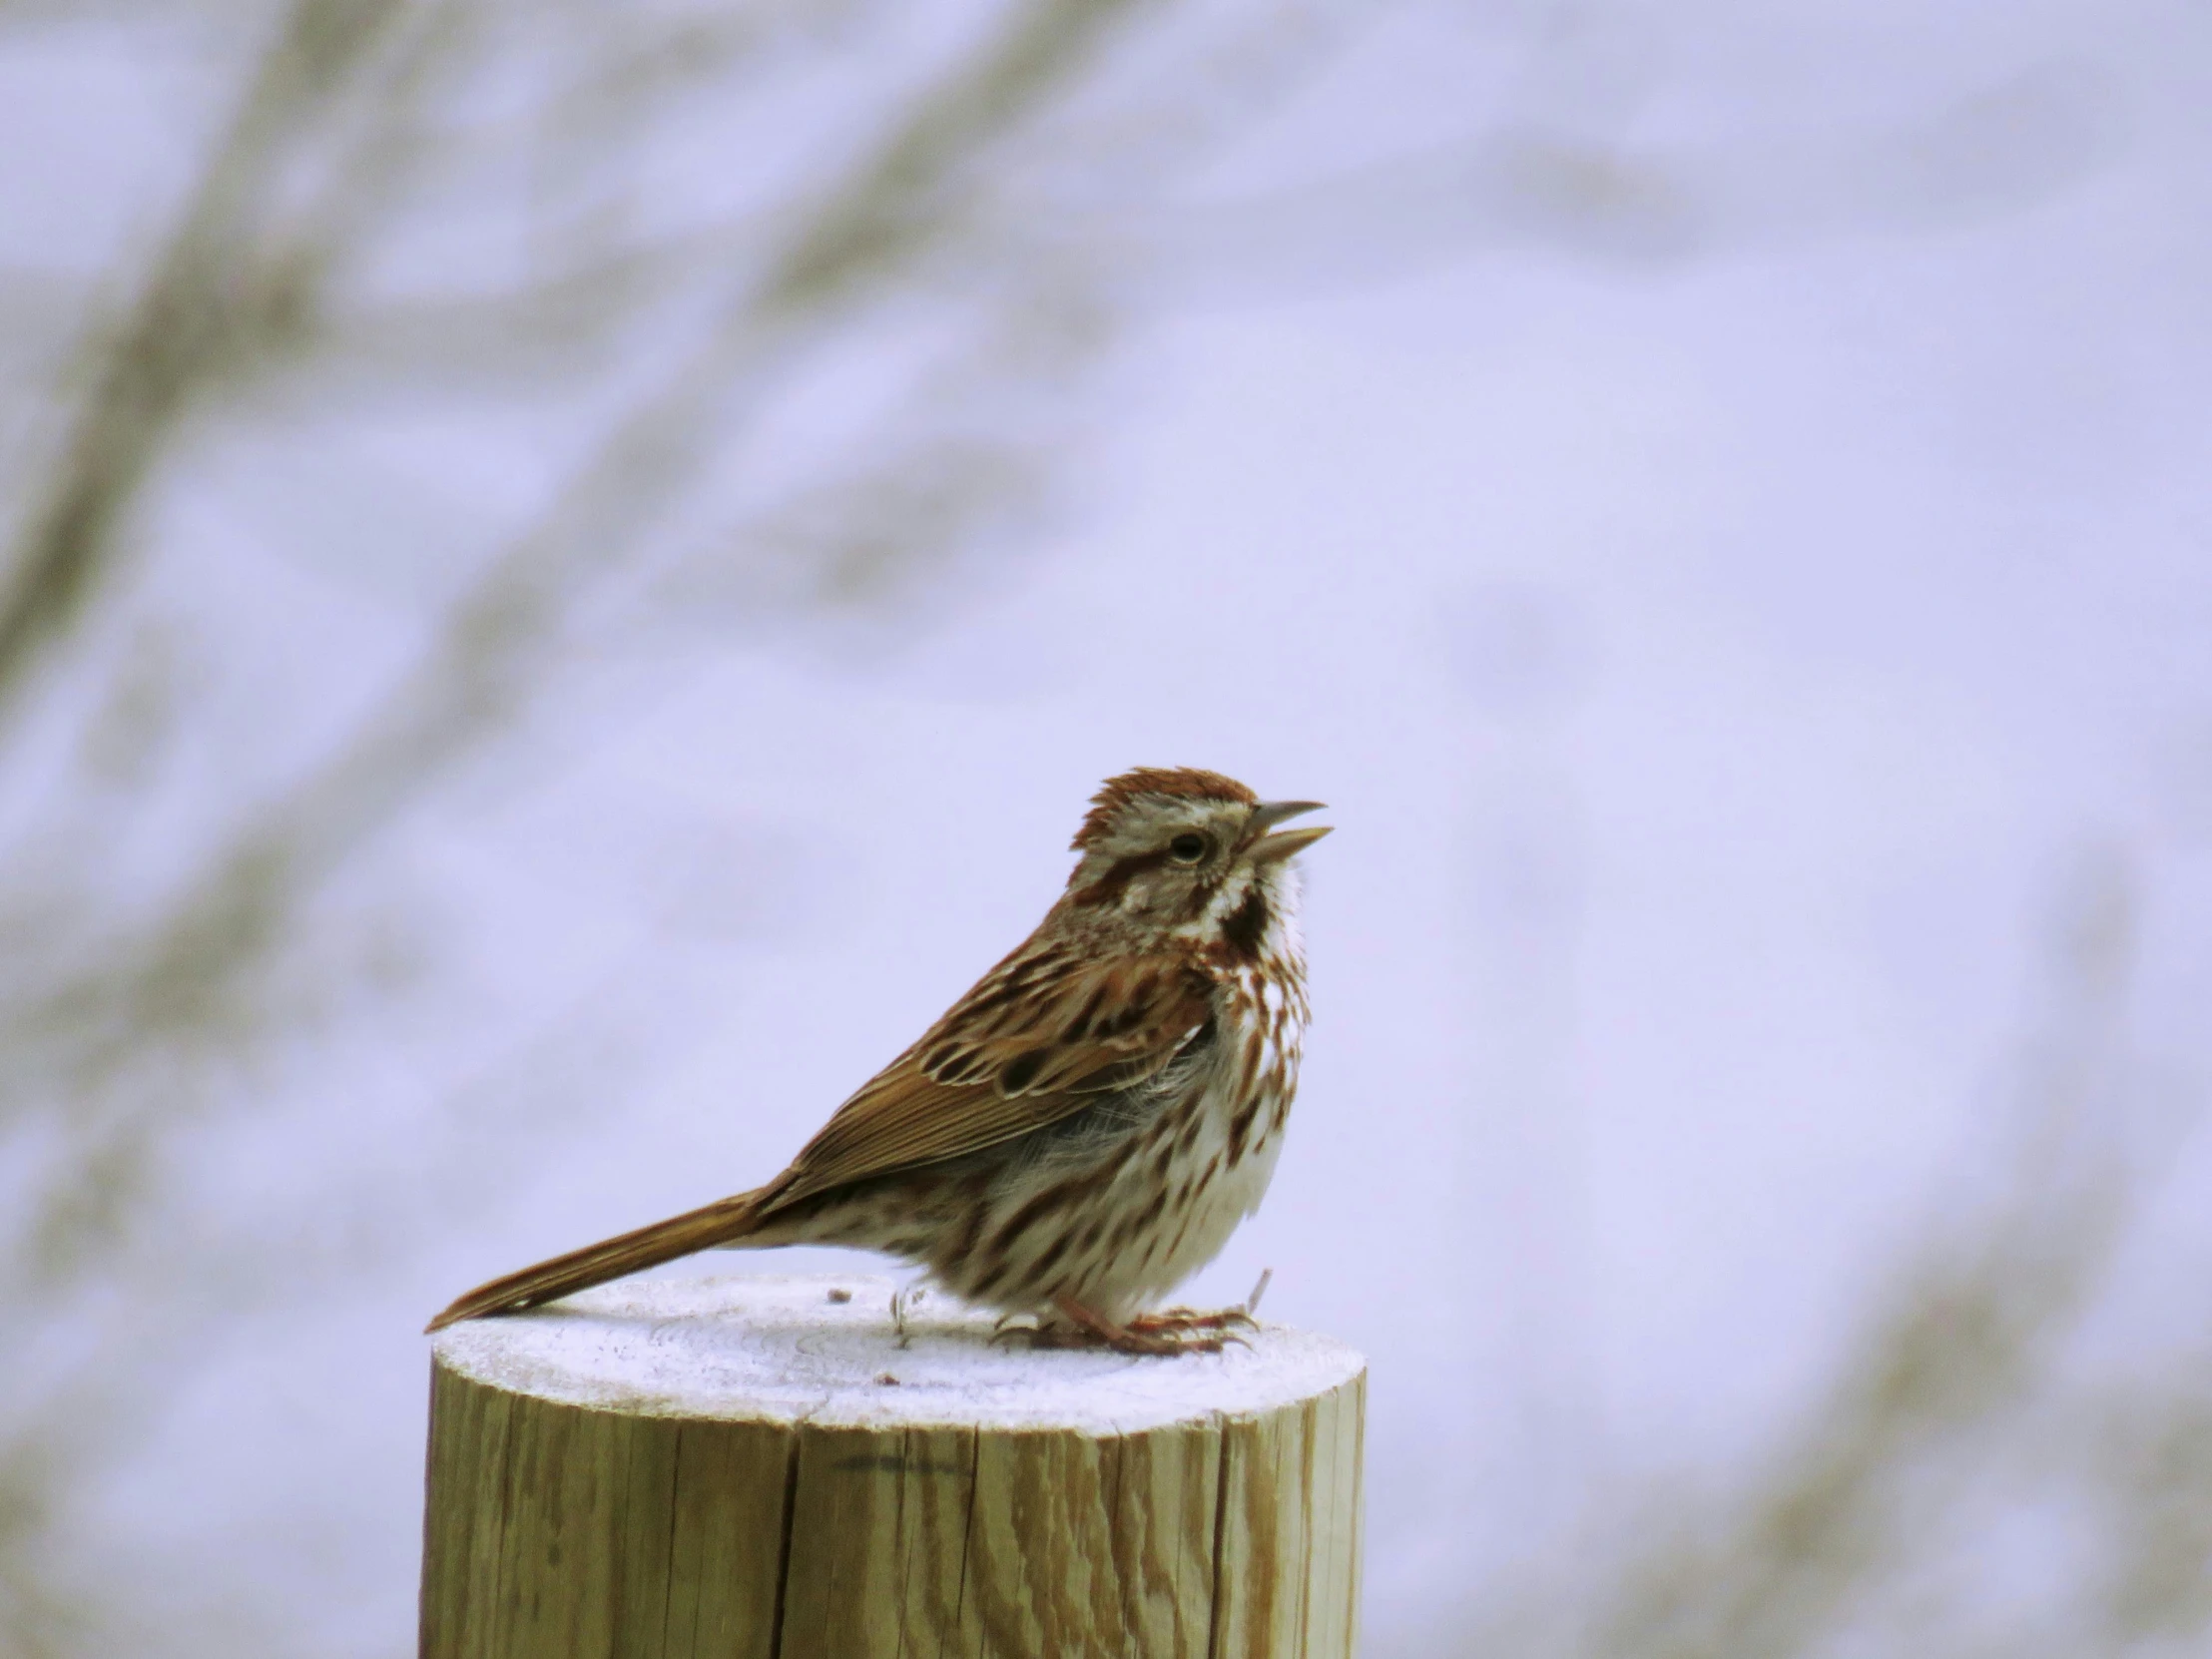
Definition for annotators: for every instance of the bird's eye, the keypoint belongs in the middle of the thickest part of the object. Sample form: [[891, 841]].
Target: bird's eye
[[1186, 849]]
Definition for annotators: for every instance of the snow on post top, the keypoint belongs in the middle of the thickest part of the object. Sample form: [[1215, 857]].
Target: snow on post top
[[822, 1348]]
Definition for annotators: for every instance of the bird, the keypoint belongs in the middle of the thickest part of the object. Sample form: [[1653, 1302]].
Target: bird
[[1085, 1128]]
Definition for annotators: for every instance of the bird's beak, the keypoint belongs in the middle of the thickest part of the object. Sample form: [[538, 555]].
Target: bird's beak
[[1266, 847]]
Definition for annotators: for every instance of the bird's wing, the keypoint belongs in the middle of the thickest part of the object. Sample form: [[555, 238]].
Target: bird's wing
[[1041, 1036]]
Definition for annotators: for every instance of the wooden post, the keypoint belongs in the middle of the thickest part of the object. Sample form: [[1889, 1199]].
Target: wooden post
[[767, 1469]]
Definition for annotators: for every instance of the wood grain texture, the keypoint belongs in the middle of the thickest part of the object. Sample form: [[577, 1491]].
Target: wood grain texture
[[671, 1468]]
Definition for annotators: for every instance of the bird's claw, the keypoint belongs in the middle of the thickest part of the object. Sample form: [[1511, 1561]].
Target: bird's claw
[[1165, 1333], [1185, 1320], [1159, 1344]]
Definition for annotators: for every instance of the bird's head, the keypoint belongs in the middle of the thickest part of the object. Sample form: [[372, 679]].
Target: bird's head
[[1185, 847]]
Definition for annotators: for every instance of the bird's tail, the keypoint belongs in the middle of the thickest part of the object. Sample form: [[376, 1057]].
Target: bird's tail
[[719, 1223]]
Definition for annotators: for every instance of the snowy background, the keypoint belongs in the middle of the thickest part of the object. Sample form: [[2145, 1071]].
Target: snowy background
[[570, 570]]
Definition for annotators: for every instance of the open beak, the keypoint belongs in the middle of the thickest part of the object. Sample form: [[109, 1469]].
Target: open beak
[[1266, 847]]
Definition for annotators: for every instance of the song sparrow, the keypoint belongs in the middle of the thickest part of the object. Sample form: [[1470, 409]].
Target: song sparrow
[[1084, 1129]]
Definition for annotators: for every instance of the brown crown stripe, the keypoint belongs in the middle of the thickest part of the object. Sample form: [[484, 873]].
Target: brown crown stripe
[[1176, 783]]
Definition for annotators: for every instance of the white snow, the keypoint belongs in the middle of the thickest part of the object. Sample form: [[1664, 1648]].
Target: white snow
[[780, 1349]]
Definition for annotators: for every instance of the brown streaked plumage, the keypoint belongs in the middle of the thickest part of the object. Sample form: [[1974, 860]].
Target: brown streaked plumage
[[1084, 1128]]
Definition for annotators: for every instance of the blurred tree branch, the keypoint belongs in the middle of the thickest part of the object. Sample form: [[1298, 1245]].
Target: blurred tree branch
[[218, 300], [1960, 1399]]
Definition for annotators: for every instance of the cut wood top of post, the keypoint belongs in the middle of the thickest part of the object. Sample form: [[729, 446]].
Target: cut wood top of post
[[822, 1350]]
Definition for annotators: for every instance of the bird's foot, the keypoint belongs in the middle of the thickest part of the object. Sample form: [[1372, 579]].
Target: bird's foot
[[1180, 1320], [1175, 1331]]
